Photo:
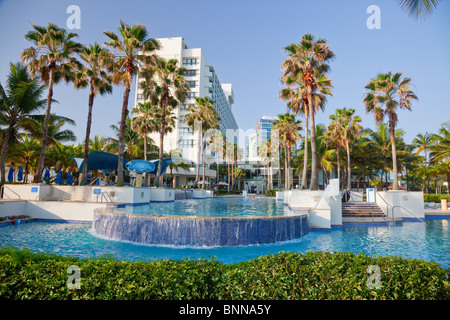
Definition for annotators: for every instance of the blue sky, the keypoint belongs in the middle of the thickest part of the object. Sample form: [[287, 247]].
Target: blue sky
[[244, 42]]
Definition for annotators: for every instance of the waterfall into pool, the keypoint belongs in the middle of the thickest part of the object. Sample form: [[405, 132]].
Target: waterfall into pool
[[204, 222]]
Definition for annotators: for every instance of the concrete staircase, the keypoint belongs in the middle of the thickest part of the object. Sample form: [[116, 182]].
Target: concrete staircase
[[361, 210]]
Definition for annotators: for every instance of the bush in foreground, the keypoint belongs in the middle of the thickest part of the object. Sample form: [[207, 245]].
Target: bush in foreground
[[314, 275]]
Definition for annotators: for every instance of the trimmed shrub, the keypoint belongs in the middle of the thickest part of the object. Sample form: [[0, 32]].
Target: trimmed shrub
[[435, 197], [270, 192], [314, 275]]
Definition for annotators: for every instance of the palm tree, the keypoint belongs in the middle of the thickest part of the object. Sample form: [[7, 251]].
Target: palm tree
[[133, 144], [348, 126], [288, 130], [144, 121], [25, 152], [55, 133], [201, 117], [440, 149], [265, 153], [443, 168], [52, 59], [20, 98], [333, 137], [423, 142], [389, 91], [418, 8], [216, 145], [92, 73], [164, 86], [134, 48], [308, 61]]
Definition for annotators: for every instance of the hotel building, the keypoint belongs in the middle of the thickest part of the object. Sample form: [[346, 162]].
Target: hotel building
[[203, 81]]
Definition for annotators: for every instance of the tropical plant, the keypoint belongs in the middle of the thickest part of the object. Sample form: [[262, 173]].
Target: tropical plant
[[20, 98], [385, 93], [418, 8], [145, 121], [440, 149], [51, 59], [216, 145], [34, 124], [349, 128], [164, 86], [202, 117], [26, 153], [307, 61], [133, 144], [92, 73], [288, 130], [132, 49]]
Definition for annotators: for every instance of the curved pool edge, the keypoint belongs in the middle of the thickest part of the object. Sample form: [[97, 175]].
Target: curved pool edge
[[199, 231]]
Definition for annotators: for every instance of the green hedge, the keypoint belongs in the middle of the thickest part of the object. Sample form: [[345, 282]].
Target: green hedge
[[314, 275], [435, 197], [270, 192]]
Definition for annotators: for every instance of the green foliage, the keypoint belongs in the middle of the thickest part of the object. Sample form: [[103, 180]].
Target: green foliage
[[314, 275], [270, 192], [435, 197]]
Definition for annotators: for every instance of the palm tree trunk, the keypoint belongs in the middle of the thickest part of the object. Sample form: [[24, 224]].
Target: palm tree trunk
[[338, 166], [3, 155], [217, 167], [313, 184], [305, 153], [286, 178], [161, 143], [122, 129], [88, 132], [349, 173], [203, 164], [197, 174], [394, 155], [45, 133], [289, 168]]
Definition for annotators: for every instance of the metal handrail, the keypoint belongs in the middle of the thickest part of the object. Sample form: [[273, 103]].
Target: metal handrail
[[387, 206], [3, 191], [106, 196], [408, 212]]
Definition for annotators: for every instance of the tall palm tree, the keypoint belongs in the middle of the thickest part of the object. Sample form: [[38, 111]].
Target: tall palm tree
[[133, 144], [385, 93], [20, 98], [350, 129], [144, 121], [216, 145], [92, 73], [133, 48], [202, 117], [51, 58], [288, 129], [308, 60], [164, 86]]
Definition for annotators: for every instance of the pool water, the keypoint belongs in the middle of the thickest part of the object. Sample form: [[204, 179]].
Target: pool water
[[426, 241], [212, 207]]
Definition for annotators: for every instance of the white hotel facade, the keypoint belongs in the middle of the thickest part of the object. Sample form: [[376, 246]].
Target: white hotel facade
[[203, 82]]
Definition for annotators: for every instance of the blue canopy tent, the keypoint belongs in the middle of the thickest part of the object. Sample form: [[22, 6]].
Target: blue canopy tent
[[99, 160]]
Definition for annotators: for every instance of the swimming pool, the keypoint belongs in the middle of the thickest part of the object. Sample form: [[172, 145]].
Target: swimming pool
[[212, 207], [426, 241]]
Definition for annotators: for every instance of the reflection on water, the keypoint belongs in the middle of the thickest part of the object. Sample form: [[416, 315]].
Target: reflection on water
[[427, 241]]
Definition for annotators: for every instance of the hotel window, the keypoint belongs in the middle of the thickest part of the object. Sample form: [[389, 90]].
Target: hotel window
[[186, 132], [191, 95], [139, 97], [186, 143], [190, 73], [190, 62], [192, 84]]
